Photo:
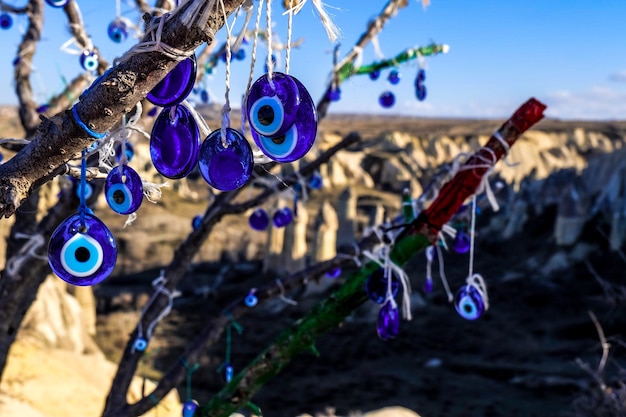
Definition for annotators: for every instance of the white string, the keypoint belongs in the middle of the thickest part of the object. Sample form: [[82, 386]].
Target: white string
[[153, 191], [202, 124], [15, 141], [358, 57], [478, 282], [192, 17], [289, 30], [159, 288], [130, 220], [472, 232], [118, 8], [226, 108], [247, 6], [331, 29], [354, 258], [28, 250], [282, 294], [442, 275], [255, 42], [270, 61]]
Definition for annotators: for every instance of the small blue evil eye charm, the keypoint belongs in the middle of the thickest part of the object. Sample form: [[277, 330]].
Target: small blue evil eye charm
[[393, 77], [272, 106], [377, 286], [388, 320], [89, 60], [176, 85], [334, 94], [316, 181], [175, 142], [282, 217], [189, 408], [374, 75], [123, 190], [229, 371], [387, 99], [6, 21], [118, 30], [129, 150], [259, 220], [196, 222], [57, 3], [469, 302], [420, 88], [251, 300], [82, 253], [226, 163], [462, 242], [140, 344], [298, 139]]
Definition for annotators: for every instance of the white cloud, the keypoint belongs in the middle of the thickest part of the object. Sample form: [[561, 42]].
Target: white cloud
[[594, 103], [619, 76]]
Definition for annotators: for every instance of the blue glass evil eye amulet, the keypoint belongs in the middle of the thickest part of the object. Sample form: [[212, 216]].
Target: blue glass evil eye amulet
[[175, 142], [89, 60], [469, 303], [226, 163], [82, 253], [294, 127], [123, 190], [6, 21], [118, 30], [57, 3], [176, 85]]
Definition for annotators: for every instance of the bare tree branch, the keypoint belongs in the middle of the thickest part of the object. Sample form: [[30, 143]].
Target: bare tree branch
[[5, 7]]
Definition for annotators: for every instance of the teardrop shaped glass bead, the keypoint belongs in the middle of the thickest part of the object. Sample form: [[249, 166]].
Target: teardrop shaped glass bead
[[334, 273], [376, 286], [298, 139], [469, 303], [388, 321], [226, 168], [82, 255], [282, 217], [176, 85], [175, 142], [393, 77], [462, 242], [272, 106], [316, 181], [420, 88], [259, 220], [129, 151], [196, 222], [189, 408], [123, 190]]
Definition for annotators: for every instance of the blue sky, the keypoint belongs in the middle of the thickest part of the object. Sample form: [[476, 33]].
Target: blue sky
[[570, 54]]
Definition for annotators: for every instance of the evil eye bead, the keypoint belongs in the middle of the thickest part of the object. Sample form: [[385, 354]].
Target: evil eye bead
[[376, 286], [6, 21], [469, 303], [461, 242], [117, 31], [393, 77], [89, 60], [129, 151], [251, 300], [428, 286], [282, 217], [57, 3], [316, 181], [374, 75], [420, 88], [82, 254], [140, 344], [229, 371], [388, 325], [226, 166], [387, 99], [196, 222], [259, 220], [175, 142], [334, 94], [123, 190], [298, 139], [334, 273], [272, 106], [87, 192], [189, 408], [176, 85]]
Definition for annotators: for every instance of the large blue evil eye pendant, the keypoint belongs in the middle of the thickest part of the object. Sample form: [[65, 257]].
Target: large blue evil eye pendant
[[272, 106], [469, 302], [189, 408], [226, 163], [388, 320], [123, 190], [89, 60], [118, 30], [176, 85], [377, 286], [175, 142], [82, 253], [57, 3], [298, 139], [6, 21]]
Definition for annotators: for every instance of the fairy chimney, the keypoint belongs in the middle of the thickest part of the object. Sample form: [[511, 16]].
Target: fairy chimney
[[294, 244], [346, 213], [326, 225], [274, 249]]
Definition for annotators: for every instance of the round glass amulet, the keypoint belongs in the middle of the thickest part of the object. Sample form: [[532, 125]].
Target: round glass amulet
[[82, 255], [387, 99], [123, 190], [282, 217], [57, 3], [6, 21], [298, 139], [89, 60], [118, 30], [176, 85], [469, 303], [229, 167], [175, 142], [259, 220]]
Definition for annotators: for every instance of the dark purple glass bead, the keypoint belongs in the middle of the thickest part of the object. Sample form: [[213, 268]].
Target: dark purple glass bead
[[123, 190], [334, 94], [240, 55], [469, 303], [117, 31], [204, 96], [374, 75], [82, 255], [298, 139], [461, 242], [6, 21], [176, 85], [334, 273], [259, 219], [153, 111], [388, 321], [282, 217], [316, 181], [89, 60], [387, 99], [428, 286], [272, 107], [189, 408], [129, 151], [376, 286], [226, 168], [42, 109], [175, 142], [57, 3], [393, 77], [196, 222]]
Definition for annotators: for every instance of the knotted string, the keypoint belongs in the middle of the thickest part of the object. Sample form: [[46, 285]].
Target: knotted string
[[159, 288]]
